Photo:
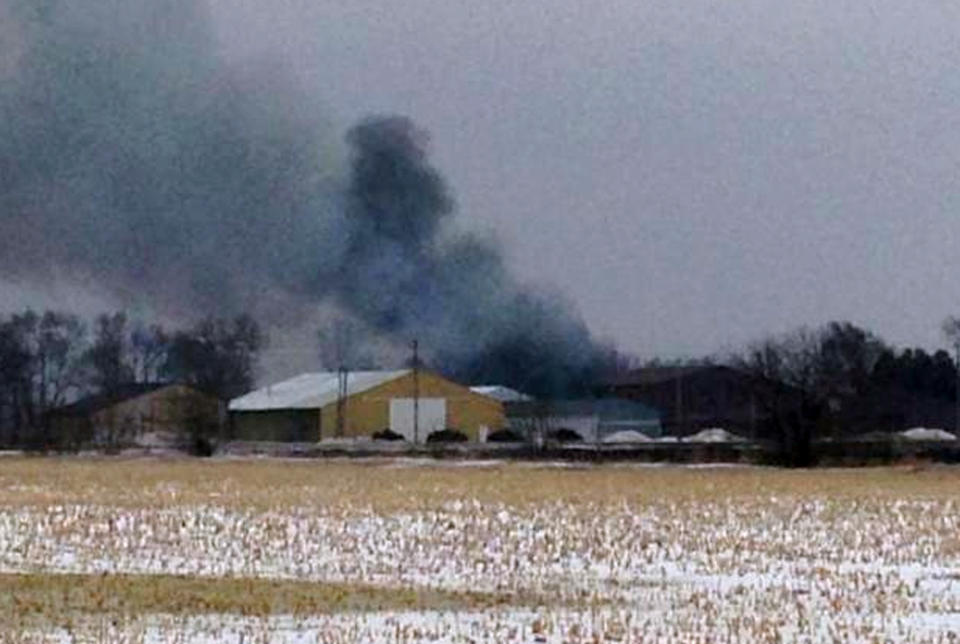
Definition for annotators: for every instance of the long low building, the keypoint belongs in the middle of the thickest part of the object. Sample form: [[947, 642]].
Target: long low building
[[316, 406], [592, 419]]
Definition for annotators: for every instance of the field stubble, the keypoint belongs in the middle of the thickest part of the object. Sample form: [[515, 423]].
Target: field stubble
[[387, 551]]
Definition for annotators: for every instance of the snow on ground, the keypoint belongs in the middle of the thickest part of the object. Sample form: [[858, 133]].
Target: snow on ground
[[627, 436], [774, 560], [745, 567], [714, 435], [508, 626], [928, 434]]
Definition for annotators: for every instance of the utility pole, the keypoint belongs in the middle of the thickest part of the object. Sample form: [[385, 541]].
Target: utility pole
[[416, 393], [342, 375]]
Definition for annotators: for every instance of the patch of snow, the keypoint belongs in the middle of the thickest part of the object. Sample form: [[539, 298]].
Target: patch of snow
[[928, 434], [790, 567], [500, 626], [627, 436], [714, 435], [157, 438]]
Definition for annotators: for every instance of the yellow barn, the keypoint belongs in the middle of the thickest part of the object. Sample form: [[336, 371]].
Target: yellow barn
[[317, 406]]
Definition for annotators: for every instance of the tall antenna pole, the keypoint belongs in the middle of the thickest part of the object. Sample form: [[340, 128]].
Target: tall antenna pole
[[416, 393], [341, 400]]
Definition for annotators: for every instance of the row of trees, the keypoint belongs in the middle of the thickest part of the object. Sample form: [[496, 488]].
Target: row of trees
[[49, 359], [841, 379]]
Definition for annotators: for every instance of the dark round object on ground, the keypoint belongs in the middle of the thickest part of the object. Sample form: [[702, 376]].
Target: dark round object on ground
[[387, 435], [202, 447], [564, 435], [504, 436], [447, 436]]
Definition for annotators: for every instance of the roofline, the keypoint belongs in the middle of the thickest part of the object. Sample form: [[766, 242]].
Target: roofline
[[273, 409], [480, 398], [400, 373], [75, 409]]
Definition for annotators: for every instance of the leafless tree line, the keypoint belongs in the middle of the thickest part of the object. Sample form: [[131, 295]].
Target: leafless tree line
[[840, 379], [52, 358]]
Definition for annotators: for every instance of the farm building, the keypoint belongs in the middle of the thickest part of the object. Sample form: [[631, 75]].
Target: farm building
[[315, 406], [156, 414], [696, 397], [591, 418]]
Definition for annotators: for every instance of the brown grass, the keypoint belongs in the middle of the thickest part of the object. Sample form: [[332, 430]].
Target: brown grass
[[264, 484], [42, 596], [721, 523]]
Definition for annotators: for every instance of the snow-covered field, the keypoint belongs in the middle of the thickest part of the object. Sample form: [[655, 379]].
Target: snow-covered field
[[571, 555]]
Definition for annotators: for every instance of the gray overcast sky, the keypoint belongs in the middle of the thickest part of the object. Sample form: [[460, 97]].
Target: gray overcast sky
[[693, 175]]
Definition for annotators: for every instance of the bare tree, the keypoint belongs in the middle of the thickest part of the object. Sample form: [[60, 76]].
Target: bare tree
[[783, 370], [951, 329], [40, 363], [811, 379], [218, 356], [15, 369], [108, 359], [846, 358], [148, 349], [61, 340]]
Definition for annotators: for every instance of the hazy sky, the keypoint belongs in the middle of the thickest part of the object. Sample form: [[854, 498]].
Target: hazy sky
[[693, 175]]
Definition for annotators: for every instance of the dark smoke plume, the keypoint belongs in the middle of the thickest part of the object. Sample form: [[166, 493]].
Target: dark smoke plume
[[452, 292], [133, 156]]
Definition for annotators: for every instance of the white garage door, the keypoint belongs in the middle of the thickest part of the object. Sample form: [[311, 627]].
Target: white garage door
[[431, 412]]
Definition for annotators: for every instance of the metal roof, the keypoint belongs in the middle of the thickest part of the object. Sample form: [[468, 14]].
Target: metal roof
[[499, 392], [311, 390]]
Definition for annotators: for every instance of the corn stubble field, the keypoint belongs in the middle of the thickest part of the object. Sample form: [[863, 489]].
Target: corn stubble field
[[401, 551]]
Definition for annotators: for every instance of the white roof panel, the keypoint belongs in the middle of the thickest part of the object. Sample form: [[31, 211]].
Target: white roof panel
[[311, 390], [499, 392]]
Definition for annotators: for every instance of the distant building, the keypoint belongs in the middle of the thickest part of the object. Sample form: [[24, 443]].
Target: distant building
[[692, 398], [315, 406], [151, 414], [501, 393], [893, 409], [591, 418]]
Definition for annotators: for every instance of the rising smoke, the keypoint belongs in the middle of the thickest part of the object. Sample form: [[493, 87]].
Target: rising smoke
[[131, 155], [403, 276]]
